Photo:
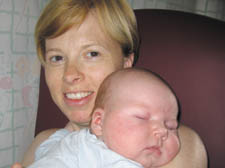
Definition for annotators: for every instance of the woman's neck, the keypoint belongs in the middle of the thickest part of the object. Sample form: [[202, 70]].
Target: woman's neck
[[72, 126]]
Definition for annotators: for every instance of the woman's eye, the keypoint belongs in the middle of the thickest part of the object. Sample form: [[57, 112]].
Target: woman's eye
[[56, 58], [93, 54]]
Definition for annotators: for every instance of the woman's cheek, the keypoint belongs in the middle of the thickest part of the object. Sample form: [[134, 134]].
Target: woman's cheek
[[100, 73]]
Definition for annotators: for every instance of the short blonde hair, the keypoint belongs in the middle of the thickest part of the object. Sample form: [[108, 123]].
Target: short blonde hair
[[116, 18]]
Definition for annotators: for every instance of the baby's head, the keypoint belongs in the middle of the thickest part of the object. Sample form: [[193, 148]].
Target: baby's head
[[135, 115]]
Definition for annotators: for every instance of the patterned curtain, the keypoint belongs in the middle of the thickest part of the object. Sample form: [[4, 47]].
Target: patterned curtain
[[19, 77]]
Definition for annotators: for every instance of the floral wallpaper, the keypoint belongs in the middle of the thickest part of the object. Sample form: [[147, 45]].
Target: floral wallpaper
[[19, 77]]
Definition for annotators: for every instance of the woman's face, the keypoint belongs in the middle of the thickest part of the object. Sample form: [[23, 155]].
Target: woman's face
[[76, 64]]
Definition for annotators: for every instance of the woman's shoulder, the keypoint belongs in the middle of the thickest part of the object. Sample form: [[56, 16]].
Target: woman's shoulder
[[192, 153], [190, 139], [45, 134], [42, 136], [193, 146]]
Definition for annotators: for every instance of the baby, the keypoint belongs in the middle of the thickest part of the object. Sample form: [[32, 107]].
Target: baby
[[134, 124]]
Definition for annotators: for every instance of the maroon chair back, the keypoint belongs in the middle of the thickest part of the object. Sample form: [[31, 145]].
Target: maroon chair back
[[188, 51]]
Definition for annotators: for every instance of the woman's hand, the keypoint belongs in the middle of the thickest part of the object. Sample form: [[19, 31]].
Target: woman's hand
[[17, 165]]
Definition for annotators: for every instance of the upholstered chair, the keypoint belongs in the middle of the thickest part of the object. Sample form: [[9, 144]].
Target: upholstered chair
[[187, 50]]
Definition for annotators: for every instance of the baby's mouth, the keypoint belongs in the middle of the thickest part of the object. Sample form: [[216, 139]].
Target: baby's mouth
[[154, 149]]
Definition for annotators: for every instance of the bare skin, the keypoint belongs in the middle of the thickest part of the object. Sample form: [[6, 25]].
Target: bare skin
[[192, 153]]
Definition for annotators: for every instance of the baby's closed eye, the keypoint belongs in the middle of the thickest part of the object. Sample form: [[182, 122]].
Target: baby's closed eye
[[171, 124]]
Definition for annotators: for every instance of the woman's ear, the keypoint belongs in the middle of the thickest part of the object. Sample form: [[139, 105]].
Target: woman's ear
[[128, 61], [96, 122]]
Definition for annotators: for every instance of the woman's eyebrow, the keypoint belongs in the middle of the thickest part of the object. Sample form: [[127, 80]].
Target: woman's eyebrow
[[52, 50], [94, 44]]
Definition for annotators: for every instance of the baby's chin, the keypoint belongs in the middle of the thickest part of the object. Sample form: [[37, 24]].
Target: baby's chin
[[164, 160], [168, 155], [154, 164], [157, 162]]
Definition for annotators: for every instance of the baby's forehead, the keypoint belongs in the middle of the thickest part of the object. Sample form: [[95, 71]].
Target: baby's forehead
[[131, 81], [135, 78], [143, 88]]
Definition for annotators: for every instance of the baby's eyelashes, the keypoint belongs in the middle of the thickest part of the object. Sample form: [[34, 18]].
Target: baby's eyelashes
[[141, 117]]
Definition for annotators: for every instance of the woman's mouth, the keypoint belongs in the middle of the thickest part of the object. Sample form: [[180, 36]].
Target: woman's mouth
[[78, 98], [78, 95]]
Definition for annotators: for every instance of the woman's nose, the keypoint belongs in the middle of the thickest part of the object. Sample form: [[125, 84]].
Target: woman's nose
[[72, 74]]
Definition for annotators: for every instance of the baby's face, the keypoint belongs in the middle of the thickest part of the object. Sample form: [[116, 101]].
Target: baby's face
[[140, 123]]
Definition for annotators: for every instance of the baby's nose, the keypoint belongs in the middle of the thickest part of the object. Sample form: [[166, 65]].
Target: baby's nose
[[161, 133]]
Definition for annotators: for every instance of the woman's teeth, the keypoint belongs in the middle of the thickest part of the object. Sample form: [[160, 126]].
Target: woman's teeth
[[78, 95]]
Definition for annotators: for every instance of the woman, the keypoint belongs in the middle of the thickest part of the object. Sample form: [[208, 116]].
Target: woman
[[81, 42]]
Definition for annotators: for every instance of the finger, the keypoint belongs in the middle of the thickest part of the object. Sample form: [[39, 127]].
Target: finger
[[17, 165]]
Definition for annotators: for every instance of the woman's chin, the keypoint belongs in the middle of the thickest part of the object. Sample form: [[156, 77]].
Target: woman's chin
[[80, 122]]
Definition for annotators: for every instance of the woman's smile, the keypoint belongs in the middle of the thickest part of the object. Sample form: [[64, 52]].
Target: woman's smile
[[78, 98]]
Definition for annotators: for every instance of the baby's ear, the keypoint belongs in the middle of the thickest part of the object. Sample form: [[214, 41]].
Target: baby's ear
[[96, 123]]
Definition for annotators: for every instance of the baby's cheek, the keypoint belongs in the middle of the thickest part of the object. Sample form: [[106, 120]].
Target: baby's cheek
[[173, 147]]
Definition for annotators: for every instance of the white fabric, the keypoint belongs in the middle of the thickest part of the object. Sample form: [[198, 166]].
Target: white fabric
[[79, 149]]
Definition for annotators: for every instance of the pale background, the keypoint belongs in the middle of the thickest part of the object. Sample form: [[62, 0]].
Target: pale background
[[20, 69]]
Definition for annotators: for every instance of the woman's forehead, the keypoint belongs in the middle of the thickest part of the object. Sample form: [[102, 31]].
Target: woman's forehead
[[89, 32]]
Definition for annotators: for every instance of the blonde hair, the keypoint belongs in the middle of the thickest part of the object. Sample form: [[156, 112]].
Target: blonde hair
[[116, 18]]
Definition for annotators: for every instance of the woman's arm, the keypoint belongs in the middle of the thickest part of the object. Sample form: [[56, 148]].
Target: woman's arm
[[29, 155], [192, 153]]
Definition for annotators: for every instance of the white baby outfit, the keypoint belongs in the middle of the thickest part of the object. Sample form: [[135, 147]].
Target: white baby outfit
[[79, 149]]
